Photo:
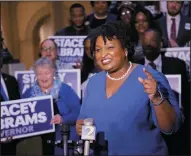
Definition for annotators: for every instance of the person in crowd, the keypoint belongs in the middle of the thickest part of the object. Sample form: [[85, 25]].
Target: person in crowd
[[66, 109], [125, 11], [118, 4], [9, 91], [77, 22], [100, 15], [175, 26], [88, 68], [48, 48], [87, 65], [129, 103], [152, 44], [141, 21], [186, 8], [114, 9]]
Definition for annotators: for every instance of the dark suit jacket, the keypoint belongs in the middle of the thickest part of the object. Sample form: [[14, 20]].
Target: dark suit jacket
[[13, 92], [12, 87], [89, 18], [176, 66], [171, 66], [183, 36], [71, 31], [178, 144]]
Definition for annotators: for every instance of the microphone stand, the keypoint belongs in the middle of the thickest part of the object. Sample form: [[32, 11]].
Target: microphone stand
[[65, 134]]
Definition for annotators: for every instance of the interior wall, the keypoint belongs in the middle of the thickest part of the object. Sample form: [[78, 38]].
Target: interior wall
[[23, 21], [28, 29]]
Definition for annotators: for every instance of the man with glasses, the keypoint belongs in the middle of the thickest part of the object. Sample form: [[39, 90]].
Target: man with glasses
[[48, 48]]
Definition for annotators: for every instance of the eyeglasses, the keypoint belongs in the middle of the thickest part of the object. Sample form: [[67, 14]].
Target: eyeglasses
[[125, 13], [48, 49]]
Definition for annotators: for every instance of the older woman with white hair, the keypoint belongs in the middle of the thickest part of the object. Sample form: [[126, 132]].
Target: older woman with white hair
[[66, 109]]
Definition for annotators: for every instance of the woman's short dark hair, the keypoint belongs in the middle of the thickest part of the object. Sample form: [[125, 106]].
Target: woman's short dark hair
[[112, 30], [92, 3]]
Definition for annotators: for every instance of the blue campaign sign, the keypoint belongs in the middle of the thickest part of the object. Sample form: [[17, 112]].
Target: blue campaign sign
[[69, 76], [26, 117], [70, 48]]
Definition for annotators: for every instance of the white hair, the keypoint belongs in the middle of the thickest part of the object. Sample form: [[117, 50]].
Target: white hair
[[42, 62]]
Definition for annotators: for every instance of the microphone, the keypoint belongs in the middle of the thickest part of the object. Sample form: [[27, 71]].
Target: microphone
[[88, 134], [65, 135]]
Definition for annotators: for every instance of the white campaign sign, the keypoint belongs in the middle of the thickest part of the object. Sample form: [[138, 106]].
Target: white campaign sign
[[183, 53], [175, 84]]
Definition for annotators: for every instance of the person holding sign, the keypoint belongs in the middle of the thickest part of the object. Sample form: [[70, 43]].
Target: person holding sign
[[130, 104], [66, 109]]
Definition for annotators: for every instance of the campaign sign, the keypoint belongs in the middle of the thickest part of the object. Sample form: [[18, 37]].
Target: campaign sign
[[175, 84], [26, 117], [182, 53], [69, 76], [70, 48]]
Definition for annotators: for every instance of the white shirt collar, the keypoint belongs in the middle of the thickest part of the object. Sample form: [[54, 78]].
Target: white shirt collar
[[157, 61], [169, 24], [177, 17]]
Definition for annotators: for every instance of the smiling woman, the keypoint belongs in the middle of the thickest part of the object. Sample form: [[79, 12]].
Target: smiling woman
[[141, 21], [66, 109], [128, 103]]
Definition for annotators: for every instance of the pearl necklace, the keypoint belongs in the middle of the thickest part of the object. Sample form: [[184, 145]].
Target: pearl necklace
[[122, 77]]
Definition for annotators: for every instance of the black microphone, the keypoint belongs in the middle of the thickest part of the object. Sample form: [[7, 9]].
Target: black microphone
[[65, 136]]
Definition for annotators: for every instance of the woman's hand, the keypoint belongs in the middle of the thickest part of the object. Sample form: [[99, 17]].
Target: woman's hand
[[150, 86], [57, 119], [79, 125]]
